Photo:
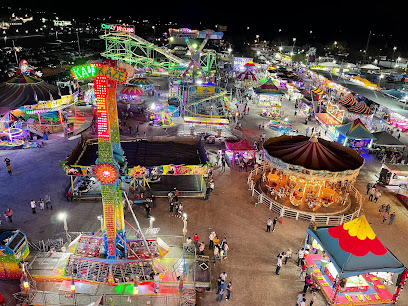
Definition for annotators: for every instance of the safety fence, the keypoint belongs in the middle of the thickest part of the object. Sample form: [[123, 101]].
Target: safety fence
[[317, 218]]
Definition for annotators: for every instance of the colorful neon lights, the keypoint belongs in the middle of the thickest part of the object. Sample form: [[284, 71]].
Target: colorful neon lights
[[106, 173], [101, 90], [118, 28], [96, 69], [84, 71]]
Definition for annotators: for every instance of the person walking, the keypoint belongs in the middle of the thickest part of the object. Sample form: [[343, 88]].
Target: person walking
[[47, 200], [9, 169], [223, 164], [392, 218], [288, 255], [369, 186], [201, 248], [33, 206], [229, 288], [268, 225], [371, 194], [302, 269], [300, 298], [385, 216], [377, 195], [222, 290], [216, 253], [225, 248], [8, 165], [9, 214], [171, 209], [301, 256], [181, 284], [278, 265], [219, 280], [195, 239], [275, 220], [148, 210], [313, 299], [42, 204], [156, 279], [211, 238]]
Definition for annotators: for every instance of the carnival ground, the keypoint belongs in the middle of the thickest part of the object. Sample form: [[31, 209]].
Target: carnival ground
[[230, 212]]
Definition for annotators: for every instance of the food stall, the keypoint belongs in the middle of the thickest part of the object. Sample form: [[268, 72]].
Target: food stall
[[239, 149], [360, 269]]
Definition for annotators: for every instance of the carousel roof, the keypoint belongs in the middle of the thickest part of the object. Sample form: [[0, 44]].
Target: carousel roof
[[313, 153], [268, 87], [354, 248], [247, 75], [140, 81], [241, 145], [355, 130], [26, 90], [132, 90], [355, 106]]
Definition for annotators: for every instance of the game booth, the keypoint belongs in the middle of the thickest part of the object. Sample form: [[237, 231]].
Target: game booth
[[354, 135], [351, 266], [269, 97], [332, 118], [237, 149]]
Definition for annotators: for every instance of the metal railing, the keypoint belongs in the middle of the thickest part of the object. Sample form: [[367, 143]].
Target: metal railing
[[284, 211]]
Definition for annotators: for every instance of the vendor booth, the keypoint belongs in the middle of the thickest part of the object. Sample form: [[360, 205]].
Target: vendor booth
[[331, 119], [394, 176], [269, 97], [351, 266], [237, 151], [354, 135]]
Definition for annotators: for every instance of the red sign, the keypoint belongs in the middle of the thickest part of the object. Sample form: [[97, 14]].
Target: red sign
[[101, 91]]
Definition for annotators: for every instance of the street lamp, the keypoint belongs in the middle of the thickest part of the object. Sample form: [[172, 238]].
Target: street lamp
[[393, 51], [63, 216]]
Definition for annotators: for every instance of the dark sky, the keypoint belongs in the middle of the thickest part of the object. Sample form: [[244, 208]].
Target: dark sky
[[340, 20]]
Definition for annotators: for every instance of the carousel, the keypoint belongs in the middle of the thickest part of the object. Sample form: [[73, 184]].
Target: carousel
[[311, 175]]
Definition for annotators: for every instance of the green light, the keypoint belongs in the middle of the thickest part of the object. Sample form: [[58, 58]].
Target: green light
[[84, 71], [195, 46]]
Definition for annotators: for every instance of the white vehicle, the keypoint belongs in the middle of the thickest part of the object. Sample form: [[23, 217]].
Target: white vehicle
[[394, 176]]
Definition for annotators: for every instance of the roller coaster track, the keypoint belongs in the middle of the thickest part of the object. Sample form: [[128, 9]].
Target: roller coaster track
[[133, 49], [207, 104]]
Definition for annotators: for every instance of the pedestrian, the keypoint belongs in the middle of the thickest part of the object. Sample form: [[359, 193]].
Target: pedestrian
[[156, 279], [216, 241], [385, 216], [268, 225], [181, 284], [216, 253], [229, 288], [278, 265], [201, 248], [275, 220], [301, 256], [313, 299], [302, 269], [225, 248], [369, 186], [392, 218], [377, 195], [171, 207], [222, 290], [288, 255], [308, 282], [303, 302], [148, 210], [219, 280], [9, 215], [33, 206], [153, 200], [207, 192], [176, 210], [42, 204], [371, 194], [196, 238], [307, 131], [300, 298], [211, 237], [223, 276], [223, 164], [170, 196], [47, 200], [9, 169], [295, 113]]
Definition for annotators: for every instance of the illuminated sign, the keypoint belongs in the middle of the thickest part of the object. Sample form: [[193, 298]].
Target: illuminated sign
[[84, 72], [118, 28], [101, 90], [94, 69], [62, 23]]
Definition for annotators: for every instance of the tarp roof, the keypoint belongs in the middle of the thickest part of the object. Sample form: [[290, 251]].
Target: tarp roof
[[355, 130], [384, 138], [369, 66], [354, 249], [241, 145], [395, 93]]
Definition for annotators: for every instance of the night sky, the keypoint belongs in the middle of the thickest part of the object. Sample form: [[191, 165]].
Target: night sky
[[341, 20]]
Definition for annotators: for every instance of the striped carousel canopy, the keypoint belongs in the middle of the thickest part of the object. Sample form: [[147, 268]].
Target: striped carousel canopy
[[355, 106], [348, 100], [26, 90], [140, 81], [132, 91], [313, 153], [247, 75], [318, 91]]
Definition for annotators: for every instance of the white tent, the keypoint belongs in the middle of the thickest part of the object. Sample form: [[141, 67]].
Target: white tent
[[370, 67], [328, 64]]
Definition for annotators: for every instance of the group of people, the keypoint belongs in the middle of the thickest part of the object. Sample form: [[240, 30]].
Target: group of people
[[43, 203], [373, 192], [220, 248], [384, 211], [8, 215], [222, 287], [176, 208]]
